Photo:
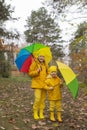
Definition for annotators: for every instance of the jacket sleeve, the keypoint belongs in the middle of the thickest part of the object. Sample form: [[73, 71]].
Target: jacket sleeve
[[47, 85], [33, 70], [60, 82]]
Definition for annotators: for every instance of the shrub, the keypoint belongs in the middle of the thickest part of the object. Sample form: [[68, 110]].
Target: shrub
[[5, 69]]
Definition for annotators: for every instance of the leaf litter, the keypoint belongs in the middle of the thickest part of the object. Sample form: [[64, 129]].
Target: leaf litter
[[16, 103]]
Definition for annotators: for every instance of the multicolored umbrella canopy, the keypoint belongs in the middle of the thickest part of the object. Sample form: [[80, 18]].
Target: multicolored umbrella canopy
[[69, 77], [28, 54]]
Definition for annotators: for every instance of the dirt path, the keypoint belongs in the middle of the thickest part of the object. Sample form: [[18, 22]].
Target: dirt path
[[16, 101]]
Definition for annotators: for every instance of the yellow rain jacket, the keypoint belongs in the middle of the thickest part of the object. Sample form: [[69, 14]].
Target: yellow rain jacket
[[38, 78], [54, 94]]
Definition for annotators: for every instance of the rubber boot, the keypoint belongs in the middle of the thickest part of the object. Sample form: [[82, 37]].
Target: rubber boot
[[41, 114], [59, 117], [36, 117], [52, 118]]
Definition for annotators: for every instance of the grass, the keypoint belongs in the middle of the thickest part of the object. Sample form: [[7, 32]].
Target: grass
[[16, 103], [84, 86], [14, 95], [23, 78]]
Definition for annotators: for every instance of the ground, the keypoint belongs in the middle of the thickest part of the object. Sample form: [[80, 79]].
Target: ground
[[16, 101]]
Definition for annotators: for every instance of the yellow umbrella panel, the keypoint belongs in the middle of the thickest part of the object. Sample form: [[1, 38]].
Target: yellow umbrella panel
[[45, 52], [69, 77]]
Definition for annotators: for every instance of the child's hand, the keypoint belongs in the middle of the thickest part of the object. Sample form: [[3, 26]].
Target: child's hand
[[39, 70], [61, 83], [51, 88]]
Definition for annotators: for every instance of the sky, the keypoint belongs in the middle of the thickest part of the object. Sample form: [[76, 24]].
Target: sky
[[69, 24], [23, 9]]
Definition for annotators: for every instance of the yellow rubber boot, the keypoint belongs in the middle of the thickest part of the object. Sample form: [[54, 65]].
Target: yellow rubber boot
[[41, 114], [59, 117], [36, 117], [52, 118]]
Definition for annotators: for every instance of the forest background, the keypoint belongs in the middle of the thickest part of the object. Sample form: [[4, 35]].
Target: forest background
[[60, 24]]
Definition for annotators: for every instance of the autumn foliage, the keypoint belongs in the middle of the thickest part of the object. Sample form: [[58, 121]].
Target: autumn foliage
[[79, 63]]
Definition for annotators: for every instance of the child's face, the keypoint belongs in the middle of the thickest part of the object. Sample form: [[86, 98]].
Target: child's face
[[54, 74], [41, 58]]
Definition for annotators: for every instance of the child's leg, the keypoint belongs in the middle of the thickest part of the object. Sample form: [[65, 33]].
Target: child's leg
[[52, 106], [42, 103], [37, 94], [59, 109]]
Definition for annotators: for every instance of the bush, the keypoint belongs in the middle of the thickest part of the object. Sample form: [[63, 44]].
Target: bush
[[5, 69]]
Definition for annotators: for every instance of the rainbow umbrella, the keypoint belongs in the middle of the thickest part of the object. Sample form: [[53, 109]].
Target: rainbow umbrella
[[28, 54], [69, 77]]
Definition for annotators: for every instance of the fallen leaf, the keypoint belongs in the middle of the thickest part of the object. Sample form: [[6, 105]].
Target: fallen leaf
[[26, 121], [41, 123], [13, 121], [34, 126], [55, 124], [2, 128], [16, 128]]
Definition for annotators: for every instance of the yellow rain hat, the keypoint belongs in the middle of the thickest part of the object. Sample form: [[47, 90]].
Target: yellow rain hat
[[41, 54], [52, 68]]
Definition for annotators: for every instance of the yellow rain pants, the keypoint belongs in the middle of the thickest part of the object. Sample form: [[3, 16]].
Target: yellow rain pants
[[55, 104], [40, 96]]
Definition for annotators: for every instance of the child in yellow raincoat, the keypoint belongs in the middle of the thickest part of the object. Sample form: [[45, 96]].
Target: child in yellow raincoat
[[53, 84], [38, 72]]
